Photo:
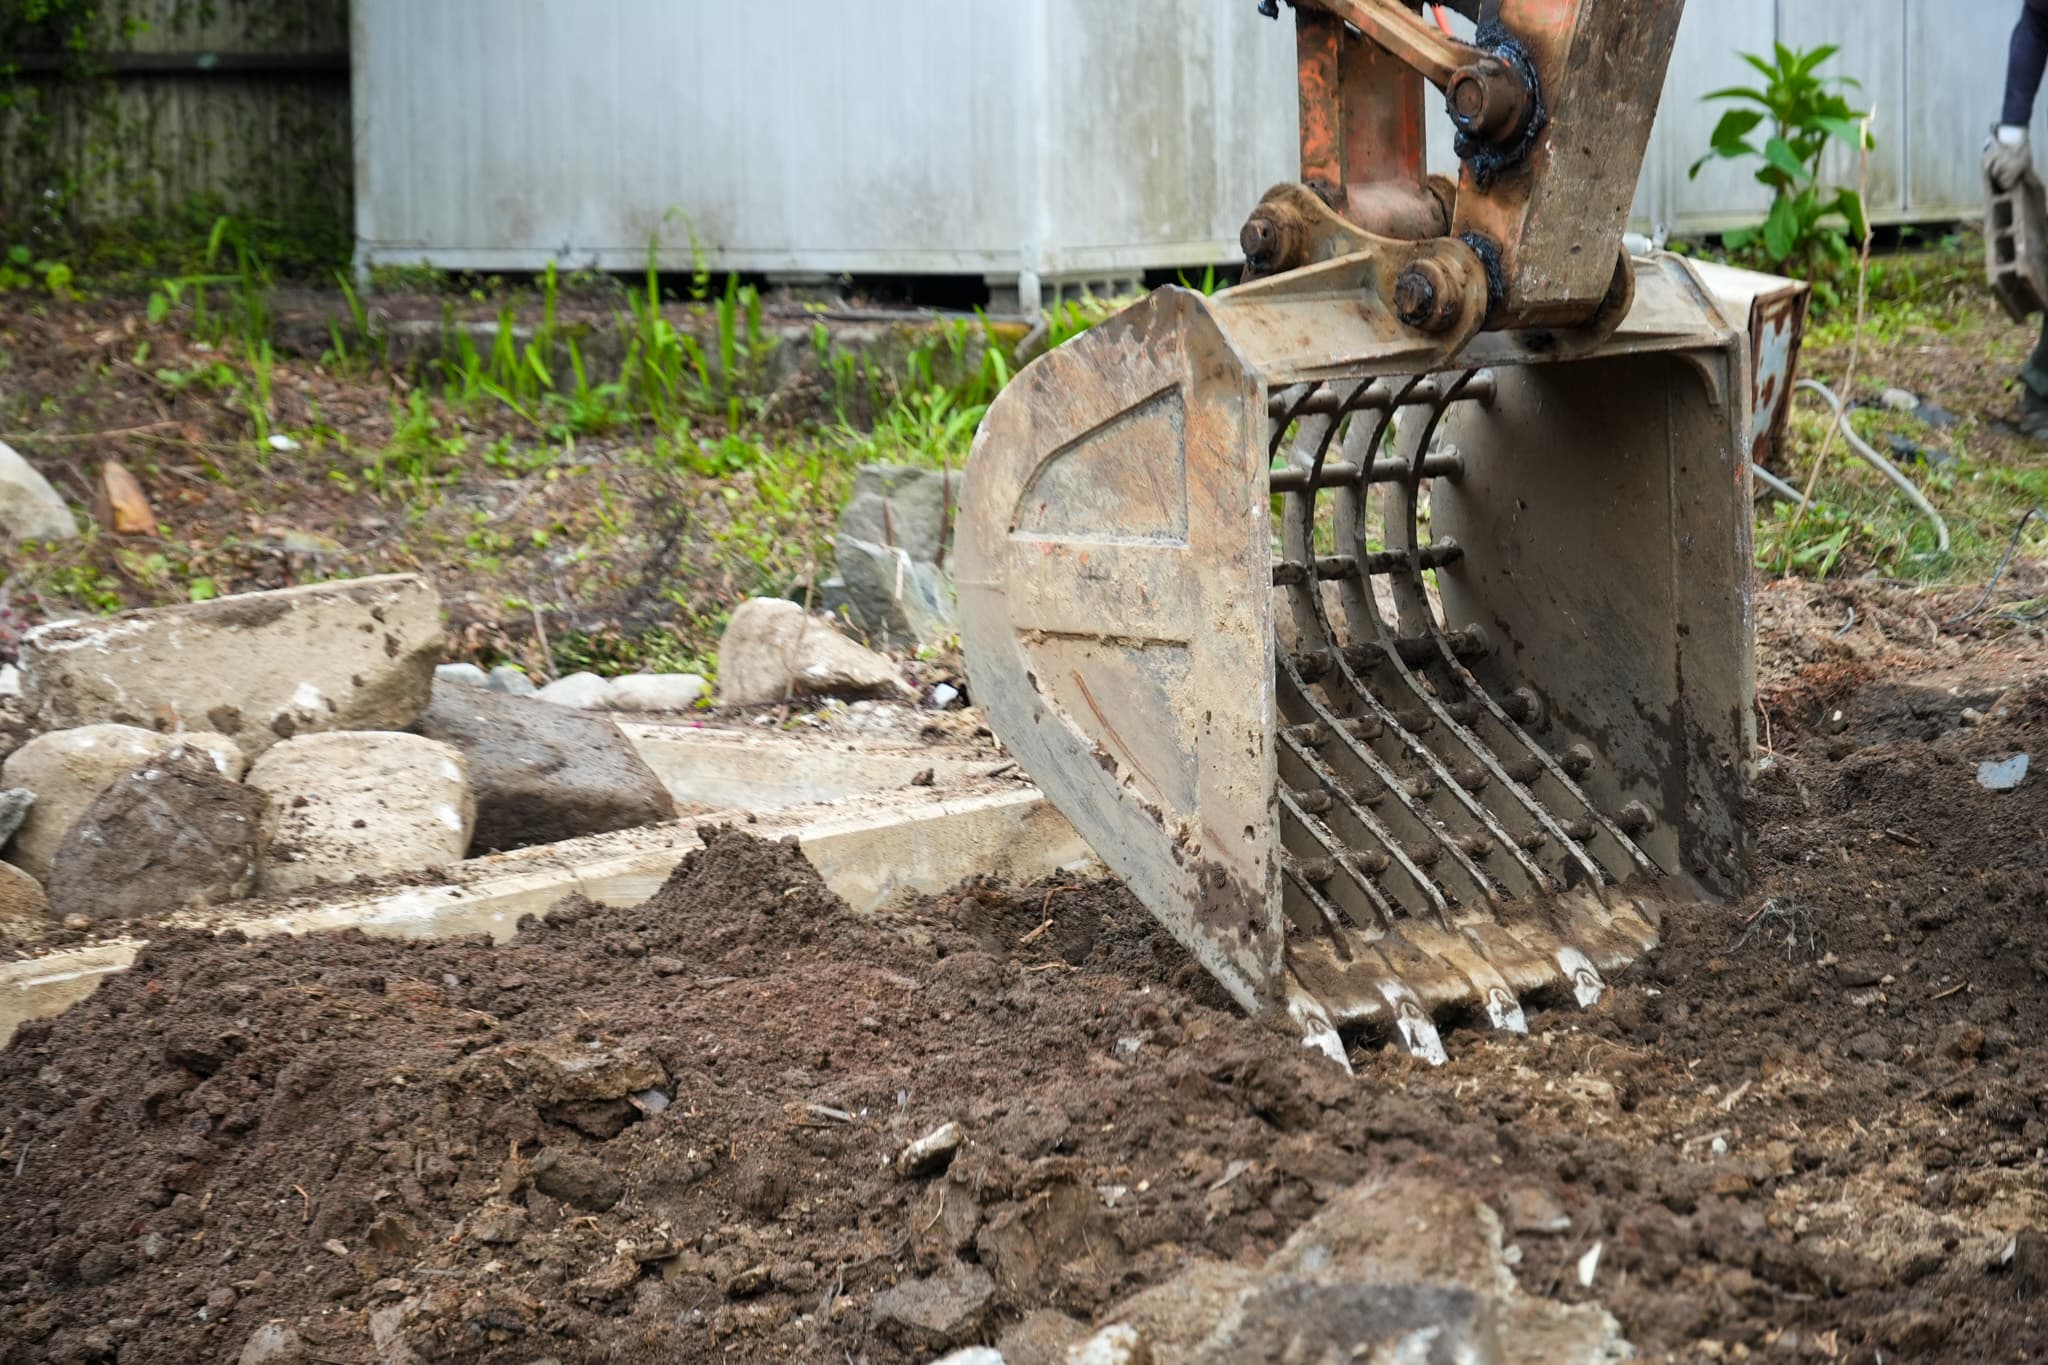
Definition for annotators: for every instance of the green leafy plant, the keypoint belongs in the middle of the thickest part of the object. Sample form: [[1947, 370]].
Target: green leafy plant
[[21, 268], [1799, 114]]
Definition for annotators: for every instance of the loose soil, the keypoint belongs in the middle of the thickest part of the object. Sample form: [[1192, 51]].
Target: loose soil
[[1811, 1126]]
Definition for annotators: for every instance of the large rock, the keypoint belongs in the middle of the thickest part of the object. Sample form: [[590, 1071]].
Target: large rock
[[29, 508], [69, 769], [174, 834], [1401, 1269], [892, 543], [263, 666], [773, 649], [22, 902], [938, 1312], [1292, 1318], [901, 602], [544, 773], [352, 803]]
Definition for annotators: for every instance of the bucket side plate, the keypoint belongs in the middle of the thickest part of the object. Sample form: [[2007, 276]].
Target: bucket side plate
[[1113, 522]]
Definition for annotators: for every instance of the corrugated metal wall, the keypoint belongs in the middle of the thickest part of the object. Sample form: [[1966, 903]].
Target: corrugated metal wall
[[1050, 137], [263, 129]]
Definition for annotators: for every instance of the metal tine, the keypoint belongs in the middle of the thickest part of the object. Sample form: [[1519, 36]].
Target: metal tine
[[1296, 399], [1331, 921], [1300, 538], [1345, 857], [1397, 853], [1360, 605], [1415, 948], [1409, 590], [1404, 800]]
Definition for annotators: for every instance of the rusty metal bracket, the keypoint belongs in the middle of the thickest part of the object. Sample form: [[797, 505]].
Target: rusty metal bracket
[[1553, 108]]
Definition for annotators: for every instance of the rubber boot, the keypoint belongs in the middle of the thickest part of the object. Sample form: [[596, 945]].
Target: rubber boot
[[2034, 390]]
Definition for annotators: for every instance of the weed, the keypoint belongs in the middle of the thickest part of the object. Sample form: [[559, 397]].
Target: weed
[[1805, 112]]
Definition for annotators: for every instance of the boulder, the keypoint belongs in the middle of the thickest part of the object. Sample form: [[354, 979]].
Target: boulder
[[174, 834], [261, 667], [22, 902], [890, 551], [353, 803], [773, 649], [657, 691], [69, 769], [586, 691], [544, 773], [906, 506], [902, 603], [469, 675], [29, 508]]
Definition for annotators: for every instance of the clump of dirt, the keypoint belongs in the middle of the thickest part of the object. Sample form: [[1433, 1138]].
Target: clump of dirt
[[1810, 1126]]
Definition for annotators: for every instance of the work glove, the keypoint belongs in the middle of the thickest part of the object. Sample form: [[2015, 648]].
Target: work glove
[[2007, 156]]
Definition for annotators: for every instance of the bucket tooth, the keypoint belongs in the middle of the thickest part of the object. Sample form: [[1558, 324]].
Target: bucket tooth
[[1488, 988]]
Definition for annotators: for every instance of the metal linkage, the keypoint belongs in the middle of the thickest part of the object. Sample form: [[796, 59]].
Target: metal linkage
[[1436, 856]]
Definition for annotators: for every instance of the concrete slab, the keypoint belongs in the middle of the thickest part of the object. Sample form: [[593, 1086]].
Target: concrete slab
[[760, 771], [874, 852]]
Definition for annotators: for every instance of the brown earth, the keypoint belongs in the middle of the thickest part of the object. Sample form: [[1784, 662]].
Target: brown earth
[[1811, 1127]]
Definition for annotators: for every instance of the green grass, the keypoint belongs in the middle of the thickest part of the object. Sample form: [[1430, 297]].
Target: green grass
[[1919, 304]]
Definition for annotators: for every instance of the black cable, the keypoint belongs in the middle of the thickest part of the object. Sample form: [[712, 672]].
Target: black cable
[[1999, 573]]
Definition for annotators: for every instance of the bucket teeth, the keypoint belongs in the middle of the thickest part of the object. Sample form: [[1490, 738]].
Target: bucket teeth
[[1439, 859]]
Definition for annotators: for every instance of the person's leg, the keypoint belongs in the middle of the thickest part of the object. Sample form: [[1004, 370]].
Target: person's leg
[[2034, 389]]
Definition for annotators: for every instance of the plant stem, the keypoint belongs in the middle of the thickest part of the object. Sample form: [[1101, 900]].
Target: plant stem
[[1827, 444]]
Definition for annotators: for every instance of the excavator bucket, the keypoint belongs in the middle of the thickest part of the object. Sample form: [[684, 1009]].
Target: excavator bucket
[[1397, 688]]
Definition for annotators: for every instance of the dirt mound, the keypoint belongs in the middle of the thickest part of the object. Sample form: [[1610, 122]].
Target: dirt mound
[[1811, 1126]]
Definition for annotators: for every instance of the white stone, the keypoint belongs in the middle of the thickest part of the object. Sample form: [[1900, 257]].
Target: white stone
[[773, 649], [1899, 400], [10, 681], [469, 675], [1118, 1344], [360, 803], [513, 682], [585, 690], [657, 691], [29, 508], [67, 770], [355, 654]]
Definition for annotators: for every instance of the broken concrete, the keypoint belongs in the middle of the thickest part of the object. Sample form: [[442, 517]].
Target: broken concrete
[[1297, 1318], [355, 803], [69, 769], [174, 834], [543, 773], [260, 667], [890, 848], [773, 649], [29, 508]]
